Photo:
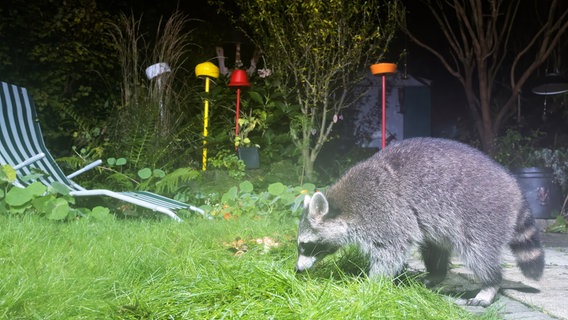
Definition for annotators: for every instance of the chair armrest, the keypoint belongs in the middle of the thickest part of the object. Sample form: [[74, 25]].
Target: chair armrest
[[29, 161], [84, 169]]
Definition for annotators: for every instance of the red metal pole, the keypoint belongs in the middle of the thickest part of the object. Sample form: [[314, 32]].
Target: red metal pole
[[238, 112], [384, 116], [383, 69]]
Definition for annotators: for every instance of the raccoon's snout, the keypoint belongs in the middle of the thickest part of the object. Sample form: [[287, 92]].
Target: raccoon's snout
[[307, 255], [304, 263]]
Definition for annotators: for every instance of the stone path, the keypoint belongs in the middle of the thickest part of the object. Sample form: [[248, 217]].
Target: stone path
[[519, 297]]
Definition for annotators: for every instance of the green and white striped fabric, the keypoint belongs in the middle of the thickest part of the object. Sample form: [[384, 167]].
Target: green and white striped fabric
[[22, 147]]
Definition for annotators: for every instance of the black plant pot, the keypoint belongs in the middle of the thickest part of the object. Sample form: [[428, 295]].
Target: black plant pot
[[542, 193], [250, 157]]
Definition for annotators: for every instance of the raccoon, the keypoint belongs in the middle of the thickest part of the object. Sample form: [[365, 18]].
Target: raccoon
[[437, 195]]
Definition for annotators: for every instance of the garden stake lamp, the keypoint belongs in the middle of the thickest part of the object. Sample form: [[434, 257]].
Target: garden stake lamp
[[383, 69], [158, 70], [238, 79], [206, 70]]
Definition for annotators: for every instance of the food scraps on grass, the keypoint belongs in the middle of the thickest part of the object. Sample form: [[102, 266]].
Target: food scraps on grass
[[239, 247]]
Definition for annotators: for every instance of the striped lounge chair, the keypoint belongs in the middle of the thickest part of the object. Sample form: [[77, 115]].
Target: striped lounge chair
[[22, 147]]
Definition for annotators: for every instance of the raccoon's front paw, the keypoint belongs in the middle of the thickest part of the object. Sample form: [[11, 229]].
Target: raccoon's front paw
[[473, 302], [478, 302]]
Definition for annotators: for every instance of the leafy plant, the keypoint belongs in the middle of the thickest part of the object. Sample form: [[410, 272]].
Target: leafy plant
[[242, 200], [143, 128], [229, 161], [560, 224], [256, 119], [557, 160], [316, 49], [69, 84], [513, 149], [53, 202]]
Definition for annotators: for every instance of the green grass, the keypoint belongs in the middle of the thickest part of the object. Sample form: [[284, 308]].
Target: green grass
[[159, 269]]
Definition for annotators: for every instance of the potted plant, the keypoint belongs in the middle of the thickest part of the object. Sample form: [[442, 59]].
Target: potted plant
[[246, 150], [556, 161], [541, 172], [540, 184]]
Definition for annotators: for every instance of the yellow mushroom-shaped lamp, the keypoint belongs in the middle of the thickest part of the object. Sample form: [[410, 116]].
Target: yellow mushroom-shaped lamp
[[206, 70]]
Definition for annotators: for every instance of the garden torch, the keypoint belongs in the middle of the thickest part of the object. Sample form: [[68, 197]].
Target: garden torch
[[206, 70], [383, 69]]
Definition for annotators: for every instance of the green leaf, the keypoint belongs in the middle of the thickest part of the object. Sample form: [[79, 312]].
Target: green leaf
[[3, 176], [121, 161], [37, 189], [145, 173], [310, 187], [40, 204], [246, 186], [8, 174], [58, 209], [19, 196], [111, 161], [277, 188], [100, 213], [34, 175], [288, 198], [229, 196], [158, 173], [60, 188], [256, 97]]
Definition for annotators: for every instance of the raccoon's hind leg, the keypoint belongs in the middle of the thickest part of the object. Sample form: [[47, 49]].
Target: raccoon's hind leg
[[485, 265], [436, 260]]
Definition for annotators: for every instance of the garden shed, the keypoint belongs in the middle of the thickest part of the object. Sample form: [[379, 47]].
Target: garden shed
[[408, 109]]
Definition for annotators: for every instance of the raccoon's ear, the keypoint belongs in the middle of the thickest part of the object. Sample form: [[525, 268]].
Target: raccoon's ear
[[318, 206]]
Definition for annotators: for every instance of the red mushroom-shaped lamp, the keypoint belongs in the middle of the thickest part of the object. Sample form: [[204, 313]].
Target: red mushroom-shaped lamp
[[239, 79]]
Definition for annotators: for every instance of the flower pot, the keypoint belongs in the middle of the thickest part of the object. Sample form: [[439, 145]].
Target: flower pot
[[543, 195], [250, 157]]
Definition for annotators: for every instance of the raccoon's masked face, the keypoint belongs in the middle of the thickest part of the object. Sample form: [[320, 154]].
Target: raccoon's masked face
[[319, 234]]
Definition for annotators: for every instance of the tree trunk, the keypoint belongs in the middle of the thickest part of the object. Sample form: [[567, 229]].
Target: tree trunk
[[307, 166]]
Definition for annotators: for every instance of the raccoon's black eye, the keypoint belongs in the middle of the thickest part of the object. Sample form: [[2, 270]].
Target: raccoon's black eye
[[307, 248]]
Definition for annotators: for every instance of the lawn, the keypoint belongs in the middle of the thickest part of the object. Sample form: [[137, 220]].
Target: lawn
[[198, 269]]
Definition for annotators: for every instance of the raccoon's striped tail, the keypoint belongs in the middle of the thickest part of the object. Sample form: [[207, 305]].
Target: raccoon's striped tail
[[526, 246]]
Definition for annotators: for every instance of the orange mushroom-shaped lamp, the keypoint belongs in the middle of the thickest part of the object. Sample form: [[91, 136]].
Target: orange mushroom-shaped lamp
[[239, 79], [206, 70], [383, 69]]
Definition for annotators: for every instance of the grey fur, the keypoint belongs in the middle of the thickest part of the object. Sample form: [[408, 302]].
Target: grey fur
[[435, 194]]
